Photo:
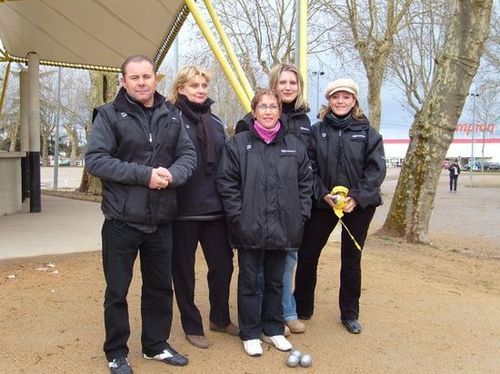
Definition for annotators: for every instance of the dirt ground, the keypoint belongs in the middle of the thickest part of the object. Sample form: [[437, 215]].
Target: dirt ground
[[424, 309]]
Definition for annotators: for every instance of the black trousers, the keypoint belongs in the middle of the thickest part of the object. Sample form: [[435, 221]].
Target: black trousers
[[120, 245], [254, 320], [316, 234], [453, 182], [212, 235]]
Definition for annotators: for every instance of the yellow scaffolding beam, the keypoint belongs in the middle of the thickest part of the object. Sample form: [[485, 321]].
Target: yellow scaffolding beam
[[232, 56], [231, 76]]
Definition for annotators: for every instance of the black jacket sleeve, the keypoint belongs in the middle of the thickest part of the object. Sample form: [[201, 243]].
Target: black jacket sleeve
[[185, 159], [306, 182], [367, 190], [99, 159], [229, 181]]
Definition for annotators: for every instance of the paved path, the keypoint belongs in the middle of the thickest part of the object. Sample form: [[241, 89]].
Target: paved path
[[63, 226], [66, 225]]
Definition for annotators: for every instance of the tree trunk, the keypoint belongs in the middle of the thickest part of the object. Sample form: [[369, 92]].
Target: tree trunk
[[104, 88], [433, 128], [73, 143], [375, 80]]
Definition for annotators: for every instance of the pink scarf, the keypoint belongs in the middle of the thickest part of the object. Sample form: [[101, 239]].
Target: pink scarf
[[267, 135]]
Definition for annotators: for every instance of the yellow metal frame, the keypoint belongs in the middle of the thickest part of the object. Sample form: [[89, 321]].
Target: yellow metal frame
[[227, 44], [231, 76]]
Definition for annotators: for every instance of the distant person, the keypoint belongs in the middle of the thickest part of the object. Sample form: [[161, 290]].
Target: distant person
[[141, 152], [201, 218], [347, 152], [454, 171], [265, 180], [287, 80]]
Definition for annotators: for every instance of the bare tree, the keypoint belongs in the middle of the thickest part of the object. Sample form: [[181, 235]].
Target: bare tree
[[77, 109], [433, 127], [374, 25], [263, 33], [413, 60], [9, 122], [103, 90]]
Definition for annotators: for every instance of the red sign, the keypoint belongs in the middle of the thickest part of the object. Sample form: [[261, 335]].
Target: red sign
[[467, 128]]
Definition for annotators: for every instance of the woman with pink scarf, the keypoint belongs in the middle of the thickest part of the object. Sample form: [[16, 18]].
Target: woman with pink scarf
[[265, 182]]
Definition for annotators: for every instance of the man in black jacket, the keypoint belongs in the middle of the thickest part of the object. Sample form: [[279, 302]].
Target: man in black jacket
[[141, 152]]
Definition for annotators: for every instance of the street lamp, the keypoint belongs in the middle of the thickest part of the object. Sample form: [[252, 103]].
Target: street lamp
[[317, 74], [471, 162]]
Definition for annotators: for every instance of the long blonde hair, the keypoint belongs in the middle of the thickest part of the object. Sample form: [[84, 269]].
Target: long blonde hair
[[274, 77], [183, 77]]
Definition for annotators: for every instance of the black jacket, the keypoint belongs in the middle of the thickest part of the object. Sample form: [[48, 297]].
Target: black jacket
[[266, 191], [198, 198], [352, 156], [125, 145], [296, 122]]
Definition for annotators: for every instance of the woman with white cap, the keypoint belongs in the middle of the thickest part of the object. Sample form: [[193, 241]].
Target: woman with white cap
[[347, 152]]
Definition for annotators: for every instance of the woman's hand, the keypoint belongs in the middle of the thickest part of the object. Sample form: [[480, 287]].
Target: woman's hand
[[329, 200], [350, 205]]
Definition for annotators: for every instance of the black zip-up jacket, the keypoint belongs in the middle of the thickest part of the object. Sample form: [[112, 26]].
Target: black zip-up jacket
[[198, 199], [352, 156], [125, 145], [296, 122], [266, 191]]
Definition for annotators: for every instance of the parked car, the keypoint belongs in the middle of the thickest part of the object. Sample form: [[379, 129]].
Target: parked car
[[475, 166], [491, 165]]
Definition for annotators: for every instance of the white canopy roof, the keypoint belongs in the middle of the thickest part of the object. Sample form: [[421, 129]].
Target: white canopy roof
[[99, 33]]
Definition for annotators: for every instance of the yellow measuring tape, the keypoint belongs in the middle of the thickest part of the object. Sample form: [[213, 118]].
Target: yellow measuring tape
[[339, 194]]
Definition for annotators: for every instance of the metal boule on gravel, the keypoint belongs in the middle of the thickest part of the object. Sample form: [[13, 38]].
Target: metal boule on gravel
[[305, 360], [296, 352], [292, 361]]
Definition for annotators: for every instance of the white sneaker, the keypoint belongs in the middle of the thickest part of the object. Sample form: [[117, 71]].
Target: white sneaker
[[279, 341], [253, 347]]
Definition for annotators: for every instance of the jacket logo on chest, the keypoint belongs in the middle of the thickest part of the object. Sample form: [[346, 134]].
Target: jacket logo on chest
[[323, 134], [123, 114], [288, 151], [359, 136], [248, 147]]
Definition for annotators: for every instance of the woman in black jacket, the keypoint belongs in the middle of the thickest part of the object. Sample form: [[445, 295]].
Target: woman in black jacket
[[265, 180], [200, 217], [347, 152], [287, 80]]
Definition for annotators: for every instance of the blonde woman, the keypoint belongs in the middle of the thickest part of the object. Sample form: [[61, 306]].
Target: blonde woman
[[348, 152], [200, 217]]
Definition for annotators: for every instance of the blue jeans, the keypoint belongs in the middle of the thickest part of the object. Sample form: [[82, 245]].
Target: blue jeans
[[288, 307]]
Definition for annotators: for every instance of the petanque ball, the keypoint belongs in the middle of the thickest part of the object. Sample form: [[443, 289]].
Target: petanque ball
[[292, 361], [296, 352], [305, 360]]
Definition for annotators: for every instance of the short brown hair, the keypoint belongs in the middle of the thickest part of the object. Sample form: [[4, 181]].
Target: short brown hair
[[136, 58], [263, 92]]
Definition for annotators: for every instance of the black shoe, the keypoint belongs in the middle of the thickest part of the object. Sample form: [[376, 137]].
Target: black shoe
[[304, 317], [169, 356], [352, 325], [120, 365]]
